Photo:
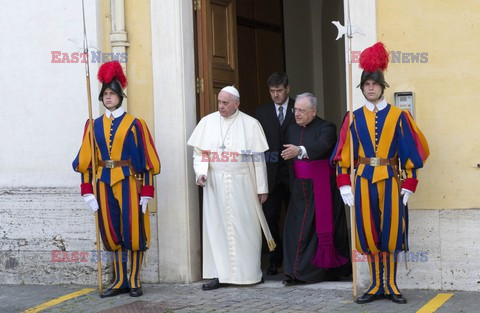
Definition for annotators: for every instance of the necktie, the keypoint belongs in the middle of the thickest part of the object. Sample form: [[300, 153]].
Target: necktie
[[280, 115]]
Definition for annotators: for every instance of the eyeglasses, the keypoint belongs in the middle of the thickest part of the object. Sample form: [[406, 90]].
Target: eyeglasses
[[301, 111]]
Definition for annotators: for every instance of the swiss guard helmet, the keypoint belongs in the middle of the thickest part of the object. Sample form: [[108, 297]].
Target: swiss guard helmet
[[374, 61], [111, 75]]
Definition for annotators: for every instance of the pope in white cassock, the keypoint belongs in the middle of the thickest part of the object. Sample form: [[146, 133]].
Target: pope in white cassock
[[229, 163]]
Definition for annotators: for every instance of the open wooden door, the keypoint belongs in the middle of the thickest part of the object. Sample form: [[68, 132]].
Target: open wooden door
[[217, 66]]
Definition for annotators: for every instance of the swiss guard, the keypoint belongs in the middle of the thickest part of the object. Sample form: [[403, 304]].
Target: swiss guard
[[126, 160], [385, 139]]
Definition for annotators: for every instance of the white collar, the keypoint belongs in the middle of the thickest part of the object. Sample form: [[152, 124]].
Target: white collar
[[116, 114], [284, 105], [380, 106]]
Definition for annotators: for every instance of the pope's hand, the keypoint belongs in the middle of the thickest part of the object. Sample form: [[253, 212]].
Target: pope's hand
[[406, 194], [202, 180], [347, 195], [263, 197], [143, 202], [91, 202]]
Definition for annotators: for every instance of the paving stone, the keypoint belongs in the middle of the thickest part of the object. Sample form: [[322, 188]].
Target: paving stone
[[271, 297]]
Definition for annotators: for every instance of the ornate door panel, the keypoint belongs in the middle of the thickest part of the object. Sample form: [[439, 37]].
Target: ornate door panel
[[217, 51]]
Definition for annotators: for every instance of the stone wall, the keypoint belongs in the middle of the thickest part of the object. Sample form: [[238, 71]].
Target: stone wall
[[444, 252], [47, 236]]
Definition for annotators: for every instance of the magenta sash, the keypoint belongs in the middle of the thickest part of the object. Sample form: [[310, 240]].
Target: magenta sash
[[319, 171]]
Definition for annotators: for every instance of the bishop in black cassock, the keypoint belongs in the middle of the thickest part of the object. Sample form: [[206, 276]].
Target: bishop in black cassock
[[316, 245]]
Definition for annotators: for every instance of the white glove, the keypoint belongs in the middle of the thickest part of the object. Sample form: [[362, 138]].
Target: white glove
[[143, 202], [91, 202], [347, 195], [406, 194]]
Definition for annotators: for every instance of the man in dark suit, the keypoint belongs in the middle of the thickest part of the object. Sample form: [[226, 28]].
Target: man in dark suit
[[275, 117]]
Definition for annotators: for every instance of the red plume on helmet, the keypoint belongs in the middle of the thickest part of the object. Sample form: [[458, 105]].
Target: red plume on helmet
[[374, 58], [110, 71]]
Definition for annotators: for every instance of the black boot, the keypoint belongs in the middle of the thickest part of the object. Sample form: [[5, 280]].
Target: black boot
[[397, 298], [136, 292], [113, 292], [366, 298]]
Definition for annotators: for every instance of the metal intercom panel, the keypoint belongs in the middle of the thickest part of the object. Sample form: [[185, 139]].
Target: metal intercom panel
[[404, 100]]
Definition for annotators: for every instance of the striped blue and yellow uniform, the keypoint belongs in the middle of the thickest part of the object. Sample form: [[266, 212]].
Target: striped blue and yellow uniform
[[381, 218], [123, 226]]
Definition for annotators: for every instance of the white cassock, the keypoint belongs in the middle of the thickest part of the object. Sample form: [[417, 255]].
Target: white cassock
[[232, 238]]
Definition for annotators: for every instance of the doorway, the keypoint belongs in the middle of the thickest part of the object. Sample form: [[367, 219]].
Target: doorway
[[261, 49], [242, 42], [296, 37]]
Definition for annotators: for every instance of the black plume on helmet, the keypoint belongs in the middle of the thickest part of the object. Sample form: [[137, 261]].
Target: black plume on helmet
[[376, 76]]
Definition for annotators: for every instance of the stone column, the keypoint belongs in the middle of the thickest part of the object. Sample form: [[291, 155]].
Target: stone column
[[364, 15], [175, 117], [118, 36]]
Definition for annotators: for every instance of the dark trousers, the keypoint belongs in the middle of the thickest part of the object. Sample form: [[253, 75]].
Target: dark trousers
[[272, 208]]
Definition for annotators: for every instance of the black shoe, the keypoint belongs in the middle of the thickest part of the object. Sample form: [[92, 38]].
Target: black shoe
[[136, 292], [397, 298], [213, 284], [292, 282], [366, 298], [272, 269], [113, 292]]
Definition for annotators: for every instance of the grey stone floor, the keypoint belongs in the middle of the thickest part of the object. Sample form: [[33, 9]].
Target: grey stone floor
[[271, 296]]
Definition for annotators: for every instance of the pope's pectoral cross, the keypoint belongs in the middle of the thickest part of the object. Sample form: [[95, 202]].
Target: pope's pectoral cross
[[223, 147]]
